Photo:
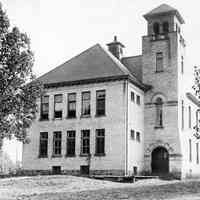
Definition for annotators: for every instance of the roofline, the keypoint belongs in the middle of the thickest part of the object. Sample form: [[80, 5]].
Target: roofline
[[175, 12], [131, 57], [97, 80], [193, 98], [60, 65]]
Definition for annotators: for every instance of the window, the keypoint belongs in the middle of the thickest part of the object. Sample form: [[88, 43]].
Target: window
[[197, 150], [197, 118], [57, 140], [133, 96], [100, 102], [138, 100], [44, 115], [182, 64], [56, 169], [159, 112], [85, 142], [43, 150], [71, 143], [177, 28], [85, 103], [165, 27], [190, 150], [189, 117], [84, 169], [138, 136], [182, 112], [100, 141], [159, 62], [156, 28], [135, 171], [133, 134], [58, 99], [71, 105]]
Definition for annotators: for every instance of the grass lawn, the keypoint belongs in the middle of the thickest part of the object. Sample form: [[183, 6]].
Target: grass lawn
[[69, 187]]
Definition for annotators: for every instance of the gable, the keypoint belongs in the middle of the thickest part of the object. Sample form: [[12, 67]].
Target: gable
[[92, 63]]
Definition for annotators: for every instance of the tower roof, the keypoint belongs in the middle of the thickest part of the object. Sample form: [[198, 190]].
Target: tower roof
[[164, 9]]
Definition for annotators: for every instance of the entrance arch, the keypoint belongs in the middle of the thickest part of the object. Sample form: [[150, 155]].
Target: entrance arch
[[160, 160]]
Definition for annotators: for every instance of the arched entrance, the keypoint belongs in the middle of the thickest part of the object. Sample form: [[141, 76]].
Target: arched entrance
[[160, 160]]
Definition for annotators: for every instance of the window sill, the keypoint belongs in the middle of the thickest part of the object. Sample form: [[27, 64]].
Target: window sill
[[159, 127], [159, 71], [99, 154], [85, 116], [85, 155], [100, 115], [70, 156], [71, 117], [55, 119], [56, 156]]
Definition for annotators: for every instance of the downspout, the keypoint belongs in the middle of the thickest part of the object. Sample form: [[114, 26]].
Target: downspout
[[126, 127]]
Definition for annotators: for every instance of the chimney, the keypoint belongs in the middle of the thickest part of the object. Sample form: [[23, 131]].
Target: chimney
[[116, 48]]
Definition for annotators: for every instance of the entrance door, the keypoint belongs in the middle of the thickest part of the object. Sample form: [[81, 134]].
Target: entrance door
[[160, 160]]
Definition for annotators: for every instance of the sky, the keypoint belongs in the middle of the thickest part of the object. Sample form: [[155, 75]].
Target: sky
[[62, 29]]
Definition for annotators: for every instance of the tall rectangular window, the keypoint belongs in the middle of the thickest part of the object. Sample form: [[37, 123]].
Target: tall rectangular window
[[85, 103], [189, 117], [132, 134], [197, 150], [58, 106], [197, 117], [43, 149], [138, 136], [100, 102], [71, 143], [44, 115], [71, 105], [190, 150], [85, 142], [57, 143], [182, 64], [159, 62], [132, 96], [100, 141], [138, 100]]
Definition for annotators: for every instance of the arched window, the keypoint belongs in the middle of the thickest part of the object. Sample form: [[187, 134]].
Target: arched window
[[159, 112], [156, 28], [165, 27]]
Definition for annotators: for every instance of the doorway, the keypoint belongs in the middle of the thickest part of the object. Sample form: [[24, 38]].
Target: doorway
[[160, 161]]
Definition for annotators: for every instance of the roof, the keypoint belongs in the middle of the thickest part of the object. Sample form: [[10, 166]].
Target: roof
[[193, 98], [134, 65], [95, 63], [164, 9]]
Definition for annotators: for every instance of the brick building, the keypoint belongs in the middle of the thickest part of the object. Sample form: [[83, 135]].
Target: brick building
[[104, 113]]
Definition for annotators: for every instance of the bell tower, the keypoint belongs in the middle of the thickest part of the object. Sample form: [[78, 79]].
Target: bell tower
[[162, 61]]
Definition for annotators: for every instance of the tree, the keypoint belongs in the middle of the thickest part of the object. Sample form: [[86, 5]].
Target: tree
[[18, 86], [196, 85], [196, 88]]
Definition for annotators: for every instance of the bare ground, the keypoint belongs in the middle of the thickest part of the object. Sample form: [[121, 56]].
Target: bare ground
[[78, 188]]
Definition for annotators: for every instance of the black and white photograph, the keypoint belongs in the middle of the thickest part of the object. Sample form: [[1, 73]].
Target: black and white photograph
[[99, 100]]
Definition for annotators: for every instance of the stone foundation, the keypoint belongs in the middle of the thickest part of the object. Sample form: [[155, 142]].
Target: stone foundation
[[73, 172]]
